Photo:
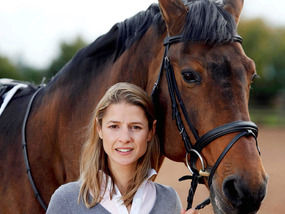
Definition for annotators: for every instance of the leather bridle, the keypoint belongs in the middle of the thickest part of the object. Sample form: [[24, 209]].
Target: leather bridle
[[242, 128]]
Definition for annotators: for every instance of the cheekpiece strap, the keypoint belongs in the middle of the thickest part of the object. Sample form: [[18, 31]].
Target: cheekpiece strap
[[172, 39]]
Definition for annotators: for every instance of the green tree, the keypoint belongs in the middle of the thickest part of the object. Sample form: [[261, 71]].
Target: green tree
[[266, 46], [8, 69], [19, 71], [31, 74]]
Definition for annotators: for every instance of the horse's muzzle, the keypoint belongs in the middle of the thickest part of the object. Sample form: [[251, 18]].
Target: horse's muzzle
[[241, 196], [238, 197]]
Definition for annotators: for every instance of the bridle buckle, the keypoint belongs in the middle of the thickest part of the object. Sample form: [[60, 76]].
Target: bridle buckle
[[204, 173]]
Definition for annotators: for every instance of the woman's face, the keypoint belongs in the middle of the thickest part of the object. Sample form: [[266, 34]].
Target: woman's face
[[125, 134]]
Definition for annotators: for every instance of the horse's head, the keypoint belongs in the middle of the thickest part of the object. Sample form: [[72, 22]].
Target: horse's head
[[213, 76]]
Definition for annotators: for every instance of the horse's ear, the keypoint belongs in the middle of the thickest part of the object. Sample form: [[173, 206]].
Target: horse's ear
[[174, 14], [234, 7]]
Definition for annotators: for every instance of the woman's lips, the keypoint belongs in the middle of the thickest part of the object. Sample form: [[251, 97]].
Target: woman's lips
[[124, 150]]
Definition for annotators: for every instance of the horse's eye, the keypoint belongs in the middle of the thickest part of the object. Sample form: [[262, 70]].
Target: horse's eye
[[191, 77], [254, 76]]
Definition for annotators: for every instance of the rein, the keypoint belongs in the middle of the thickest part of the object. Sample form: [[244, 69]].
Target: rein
[[242, 128], [25, 151]]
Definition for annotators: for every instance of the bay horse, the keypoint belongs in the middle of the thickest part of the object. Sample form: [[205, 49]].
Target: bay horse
[[202, 78]]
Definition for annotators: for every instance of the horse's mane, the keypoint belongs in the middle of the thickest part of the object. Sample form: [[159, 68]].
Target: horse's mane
[[124, 34], [110, 46], [206, 22]]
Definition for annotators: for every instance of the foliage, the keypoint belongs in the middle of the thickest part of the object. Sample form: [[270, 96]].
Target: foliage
[[28, 73], [266, 46], [8, 70], [268, 116], [67, 51]]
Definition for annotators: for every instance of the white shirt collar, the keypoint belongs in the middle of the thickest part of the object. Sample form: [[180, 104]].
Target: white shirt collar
[[143, 200]]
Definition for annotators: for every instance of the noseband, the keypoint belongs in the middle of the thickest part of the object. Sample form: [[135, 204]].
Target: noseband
[[193, 151]]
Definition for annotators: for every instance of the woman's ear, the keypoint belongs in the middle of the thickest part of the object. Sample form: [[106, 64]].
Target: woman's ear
[[152, 131]]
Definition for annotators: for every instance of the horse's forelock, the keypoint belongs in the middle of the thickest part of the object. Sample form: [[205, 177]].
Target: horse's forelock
[[208, 22]]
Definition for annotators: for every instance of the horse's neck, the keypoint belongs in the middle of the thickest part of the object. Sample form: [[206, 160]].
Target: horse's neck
[[74, 93], [140, 64], [137, 65], [70, 99]]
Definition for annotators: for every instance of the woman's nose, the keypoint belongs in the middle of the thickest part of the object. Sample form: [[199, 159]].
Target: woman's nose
[[125, 135]]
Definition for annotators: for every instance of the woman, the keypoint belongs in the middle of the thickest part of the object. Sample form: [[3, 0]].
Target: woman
[[118, 161]]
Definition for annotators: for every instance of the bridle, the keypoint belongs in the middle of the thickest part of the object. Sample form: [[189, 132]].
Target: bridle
[[242, 128]]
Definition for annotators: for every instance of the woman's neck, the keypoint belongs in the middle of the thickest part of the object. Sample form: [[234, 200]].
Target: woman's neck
[[122, 175]]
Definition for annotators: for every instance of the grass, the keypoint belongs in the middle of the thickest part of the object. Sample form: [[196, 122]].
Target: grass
[[267, 116]]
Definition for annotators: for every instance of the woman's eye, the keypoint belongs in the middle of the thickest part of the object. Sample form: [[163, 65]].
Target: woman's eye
[[113, 126], [136, 127], [191, 77]]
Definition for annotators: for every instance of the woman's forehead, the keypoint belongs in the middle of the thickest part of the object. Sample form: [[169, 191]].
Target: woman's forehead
[[124, 112]]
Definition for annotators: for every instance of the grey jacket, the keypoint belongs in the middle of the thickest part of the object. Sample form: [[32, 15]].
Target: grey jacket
[[64, 201]]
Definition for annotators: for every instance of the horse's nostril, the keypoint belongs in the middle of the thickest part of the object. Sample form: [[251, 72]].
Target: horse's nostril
[[231, 191], [241, 196]]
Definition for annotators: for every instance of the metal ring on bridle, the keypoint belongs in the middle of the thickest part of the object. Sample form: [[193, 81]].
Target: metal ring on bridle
[[199, 156]]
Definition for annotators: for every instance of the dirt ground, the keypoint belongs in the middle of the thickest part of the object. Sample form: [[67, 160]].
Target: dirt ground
[[272, 146]]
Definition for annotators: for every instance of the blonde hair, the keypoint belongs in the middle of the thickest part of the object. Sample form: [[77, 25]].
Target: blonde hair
[[94, 163]]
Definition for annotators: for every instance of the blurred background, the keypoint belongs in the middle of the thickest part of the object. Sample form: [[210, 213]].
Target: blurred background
[[37, 38]]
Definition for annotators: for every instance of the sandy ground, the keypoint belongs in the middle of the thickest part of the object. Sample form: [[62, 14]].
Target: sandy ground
[[272, 146]]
